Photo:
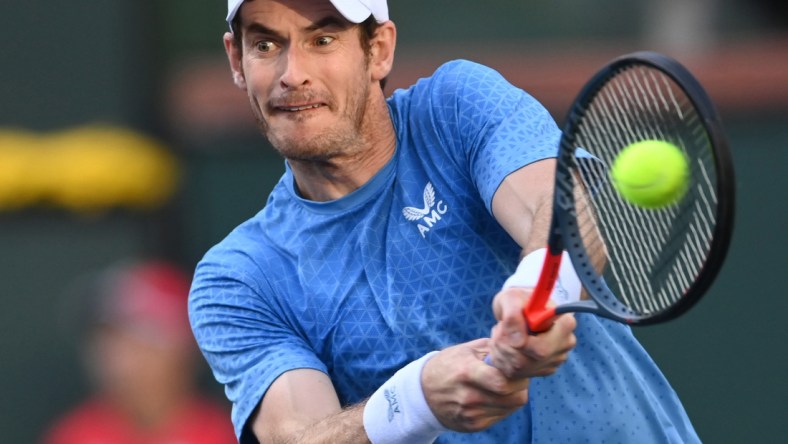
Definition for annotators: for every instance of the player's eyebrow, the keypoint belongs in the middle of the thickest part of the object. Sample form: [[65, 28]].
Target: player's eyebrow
[[257, 28], [329, 22]]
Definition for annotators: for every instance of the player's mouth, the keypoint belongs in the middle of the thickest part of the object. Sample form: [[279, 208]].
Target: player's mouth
[[297, 103], [297, 108]]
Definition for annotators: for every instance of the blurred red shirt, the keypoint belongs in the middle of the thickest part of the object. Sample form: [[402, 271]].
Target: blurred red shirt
[[98, 422]]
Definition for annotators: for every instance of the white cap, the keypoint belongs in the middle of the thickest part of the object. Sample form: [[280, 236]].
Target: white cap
[[355, 11]]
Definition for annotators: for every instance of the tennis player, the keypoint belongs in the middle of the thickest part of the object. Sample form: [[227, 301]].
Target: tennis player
[[357, 305]]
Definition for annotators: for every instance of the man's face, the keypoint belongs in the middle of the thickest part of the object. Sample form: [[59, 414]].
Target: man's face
[[139, 371], [306, 75]]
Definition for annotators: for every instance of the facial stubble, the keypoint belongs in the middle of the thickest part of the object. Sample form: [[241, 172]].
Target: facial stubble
[[343, 139]]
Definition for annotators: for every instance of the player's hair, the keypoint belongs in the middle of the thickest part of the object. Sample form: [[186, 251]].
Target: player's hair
[[367, 30]]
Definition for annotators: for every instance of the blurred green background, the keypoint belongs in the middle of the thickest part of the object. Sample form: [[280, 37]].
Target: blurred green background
[[158, 68]]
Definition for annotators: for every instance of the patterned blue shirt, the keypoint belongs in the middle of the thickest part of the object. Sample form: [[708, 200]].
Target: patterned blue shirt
[[409, 263]]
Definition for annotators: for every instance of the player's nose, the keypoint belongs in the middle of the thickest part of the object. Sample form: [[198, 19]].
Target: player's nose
[[295, 71]]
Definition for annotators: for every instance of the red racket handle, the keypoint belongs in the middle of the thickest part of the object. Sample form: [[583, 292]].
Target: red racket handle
[[538, 315]]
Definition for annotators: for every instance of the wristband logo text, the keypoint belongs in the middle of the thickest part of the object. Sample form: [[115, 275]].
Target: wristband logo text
[[391, 397]]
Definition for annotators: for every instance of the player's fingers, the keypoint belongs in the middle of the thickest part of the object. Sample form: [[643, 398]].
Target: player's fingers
[[563, 330], [542, 354], [510, 361], [508, 301], [479, 347], [465, 393], [477, 410], [496, 383], [566, 323], [507, 307], [555, 343]]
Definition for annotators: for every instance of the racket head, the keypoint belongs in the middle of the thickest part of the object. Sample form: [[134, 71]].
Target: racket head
[[642, 266]]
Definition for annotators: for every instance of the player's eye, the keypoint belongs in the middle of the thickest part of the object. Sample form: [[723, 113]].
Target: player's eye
[[265, 46], [324, 41]]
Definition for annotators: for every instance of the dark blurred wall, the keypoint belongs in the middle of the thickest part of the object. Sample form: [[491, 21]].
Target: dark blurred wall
[[64, 64]]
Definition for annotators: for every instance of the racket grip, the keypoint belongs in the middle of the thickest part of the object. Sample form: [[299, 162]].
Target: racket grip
[[538, 315], [540, 321]]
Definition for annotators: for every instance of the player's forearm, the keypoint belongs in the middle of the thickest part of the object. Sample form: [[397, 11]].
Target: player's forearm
[[587, 222], [346, 426], [542, 217], [523, 204], [302, 407]]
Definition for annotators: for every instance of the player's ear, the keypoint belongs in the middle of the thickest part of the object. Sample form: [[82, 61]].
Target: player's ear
[[234, 55], [382, 50]]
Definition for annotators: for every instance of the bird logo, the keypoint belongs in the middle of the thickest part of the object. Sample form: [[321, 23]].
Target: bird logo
[[415, 213]]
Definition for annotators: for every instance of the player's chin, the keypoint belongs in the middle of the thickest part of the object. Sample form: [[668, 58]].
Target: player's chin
[[300, 129], [302, 148]]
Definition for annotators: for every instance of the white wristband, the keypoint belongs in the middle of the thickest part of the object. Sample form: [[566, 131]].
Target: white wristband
[[567, 288], [398, 412]]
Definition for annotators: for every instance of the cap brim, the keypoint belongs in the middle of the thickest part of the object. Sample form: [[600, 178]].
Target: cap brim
[[233, 7]]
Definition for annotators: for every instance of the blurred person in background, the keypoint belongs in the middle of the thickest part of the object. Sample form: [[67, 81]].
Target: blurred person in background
[[140, 356]]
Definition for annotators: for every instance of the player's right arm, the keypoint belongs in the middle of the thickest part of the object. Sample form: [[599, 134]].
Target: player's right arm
[[464, 394], [301, 406]]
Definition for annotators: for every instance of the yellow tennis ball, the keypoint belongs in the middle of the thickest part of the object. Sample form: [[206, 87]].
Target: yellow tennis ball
[[651, 173]]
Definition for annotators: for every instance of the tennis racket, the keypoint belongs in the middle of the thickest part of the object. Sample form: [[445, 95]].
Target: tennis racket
[[637, 266]]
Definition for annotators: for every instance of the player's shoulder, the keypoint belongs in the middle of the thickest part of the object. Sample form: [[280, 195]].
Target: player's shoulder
[[241, 254], [237, 239], [251, 237], [254, 251], [452, 83], [466, 74], [462, 67], [456, 74]]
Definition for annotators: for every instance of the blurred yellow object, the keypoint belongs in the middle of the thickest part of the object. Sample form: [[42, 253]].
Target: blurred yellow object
[[89, 168], [18, 159]]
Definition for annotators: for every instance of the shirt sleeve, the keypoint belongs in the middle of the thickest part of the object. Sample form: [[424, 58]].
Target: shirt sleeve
[[494, 127], [243, 332]]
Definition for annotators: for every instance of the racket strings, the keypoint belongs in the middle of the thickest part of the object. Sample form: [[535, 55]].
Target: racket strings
[[650, 256]]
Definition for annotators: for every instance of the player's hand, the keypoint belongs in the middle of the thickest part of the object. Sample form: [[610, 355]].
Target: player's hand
[[519, 354], [467, 395]]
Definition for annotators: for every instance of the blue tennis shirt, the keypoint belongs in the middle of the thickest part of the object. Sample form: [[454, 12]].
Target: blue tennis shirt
[[408, 263]]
